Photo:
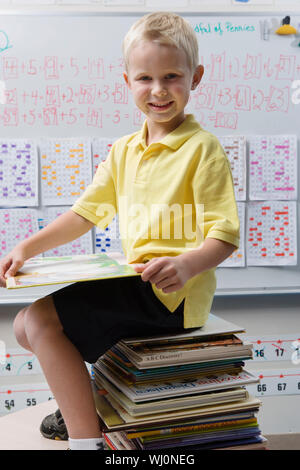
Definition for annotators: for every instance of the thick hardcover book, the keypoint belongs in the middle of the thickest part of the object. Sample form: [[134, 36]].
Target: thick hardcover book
[[191, 427], [128, 370], [119, 441], [169, 404], [67, 269], [174, 358], [114, 416], [213, 326], [182, 372], [192, 350], [153, 391]]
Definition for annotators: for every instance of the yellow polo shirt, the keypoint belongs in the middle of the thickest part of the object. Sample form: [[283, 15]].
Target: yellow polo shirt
[[158, 192]]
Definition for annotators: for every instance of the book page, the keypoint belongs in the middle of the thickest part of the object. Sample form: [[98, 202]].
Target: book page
[[65, 269]]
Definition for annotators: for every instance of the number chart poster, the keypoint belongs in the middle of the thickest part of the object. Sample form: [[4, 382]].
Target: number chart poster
[[59, 83]]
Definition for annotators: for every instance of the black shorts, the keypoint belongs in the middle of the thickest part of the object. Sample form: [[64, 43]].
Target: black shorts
[[97, 314]]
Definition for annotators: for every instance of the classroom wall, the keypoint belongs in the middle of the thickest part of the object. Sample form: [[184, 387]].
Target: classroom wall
[[125, 6], [261, 315]]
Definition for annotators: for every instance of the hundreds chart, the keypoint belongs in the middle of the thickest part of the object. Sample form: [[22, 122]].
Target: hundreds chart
[[18, 173], [100, 149], [81, 246], [235, 149], [273, 167], [15, 226], [237, 258], [66, 170], [109, 239], [271, 233]]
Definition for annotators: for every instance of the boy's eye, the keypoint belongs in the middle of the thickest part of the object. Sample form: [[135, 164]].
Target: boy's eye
[[145, 78], [171, 75]]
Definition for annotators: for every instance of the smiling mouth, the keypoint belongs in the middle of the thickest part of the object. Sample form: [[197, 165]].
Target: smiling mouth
[[161, 106]]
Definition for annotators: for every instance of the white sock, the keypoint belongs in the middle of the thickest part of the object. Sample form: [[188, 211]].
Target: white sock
[[85, 444]]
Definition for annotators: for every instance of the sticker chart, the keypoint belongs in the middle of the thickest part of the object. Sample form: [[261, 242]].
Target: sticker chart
[[65, 170], [15, 226], [80, 246], [273, 167], [100, 149], [235, 149], [271, 233], [238, 259], [18, 173], [109, 239]]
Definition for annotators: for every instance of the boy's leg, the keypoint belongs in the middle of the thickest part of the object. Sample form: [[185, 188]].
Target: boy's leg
[[64, 369], [52, 426], [19, 330]]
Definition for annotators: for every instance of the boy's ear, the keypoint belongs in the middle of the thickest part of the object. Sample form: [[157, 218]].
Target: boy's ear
[[197, 76], [126, 79]]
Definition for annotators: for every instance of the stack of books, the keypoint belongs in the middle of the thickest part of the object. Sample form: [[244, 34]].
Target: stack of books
[[184, 391]]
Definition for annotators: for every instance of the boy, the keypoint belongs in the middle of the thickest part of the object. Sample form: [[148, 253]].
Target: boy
[[171, 164]]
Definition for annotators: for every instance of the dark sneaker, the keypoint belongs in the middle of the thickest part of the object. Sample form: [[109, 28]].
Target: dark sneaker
[[53, 427]]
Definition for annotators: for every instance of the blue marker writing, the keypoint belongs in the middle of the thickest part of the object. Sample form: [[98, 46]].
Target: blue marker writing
[[4, 41]]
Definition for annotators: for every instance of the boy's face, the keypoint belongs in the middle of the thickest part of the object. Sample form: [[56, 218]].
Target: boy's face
[[161, 80]]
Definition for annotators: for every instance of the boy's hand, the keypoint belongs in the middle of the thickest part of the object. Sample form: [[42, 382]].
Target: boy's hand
[[167, 273], [10, 264]]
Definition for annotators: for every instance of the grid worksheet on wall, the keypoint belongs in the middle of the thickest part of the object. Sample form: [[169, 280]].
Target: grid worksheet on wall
[[18, 172], [271, 233], [65, 170], [273, 167]]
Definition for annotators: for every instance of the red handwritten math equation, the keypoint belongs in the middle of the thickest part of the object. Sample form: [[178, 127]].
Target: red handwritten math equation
[[91, 92]]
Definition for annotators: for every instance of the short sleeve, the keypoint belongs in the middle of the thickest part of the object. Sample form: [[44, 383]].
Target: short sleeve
[[213, 189], [98, 202]]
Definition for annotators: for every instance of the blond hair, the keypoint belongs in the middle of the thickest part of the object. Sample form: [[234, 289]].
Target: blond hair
[[163, 28]]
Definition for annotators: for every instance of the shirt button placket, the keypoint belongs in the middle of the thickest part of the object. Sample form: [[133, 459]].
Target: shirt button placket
[[144, 165]]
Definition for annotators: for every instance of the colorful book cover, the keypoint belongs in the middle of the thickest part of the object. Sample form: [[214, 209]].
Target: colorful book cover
[[67, 269], [156, 407], [159, 390], [114, 416], [174, 357]]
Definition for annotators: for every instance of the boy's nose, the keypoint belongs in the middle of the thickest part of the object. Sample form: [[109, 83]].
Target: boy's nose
[[159, 89]]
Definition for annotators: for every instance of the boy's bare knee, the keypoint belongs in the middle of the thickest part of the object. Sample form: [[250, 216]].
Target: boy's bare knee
[[19, 330], [40, 318]]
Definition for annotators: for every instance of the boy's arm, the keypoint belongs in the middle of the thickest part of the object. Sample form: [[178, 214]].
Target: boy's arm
[[64, 229], [171, 273], [210, 254]]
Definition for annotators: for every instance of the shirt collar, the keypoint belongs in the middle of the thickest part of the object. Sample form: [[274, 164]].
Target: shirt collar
[[174, 140]]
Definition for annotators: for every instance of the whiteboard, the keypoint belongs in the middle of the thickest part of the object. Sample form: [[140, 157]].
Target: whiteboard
[[63, 75]]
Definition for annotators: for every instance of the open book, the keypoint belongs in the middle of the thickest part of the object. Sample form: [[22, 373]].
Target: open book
[[67, 269]]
